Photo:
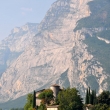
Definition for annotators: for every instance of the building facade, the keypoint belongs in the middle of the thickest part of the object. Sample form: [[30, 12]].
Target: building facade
[[55, 88]]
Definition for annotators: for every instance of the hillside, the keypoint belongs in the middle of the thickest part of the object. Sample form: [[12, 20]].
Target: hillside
[[97, 34]]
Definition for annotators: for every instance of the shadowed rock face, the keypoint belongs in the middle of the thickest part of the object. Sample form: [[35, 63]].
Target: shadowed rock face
[[56, 54]]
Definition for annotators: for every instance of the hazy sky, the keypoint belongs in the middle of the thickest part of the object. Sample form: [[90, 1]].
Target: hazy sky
[[15, 13]]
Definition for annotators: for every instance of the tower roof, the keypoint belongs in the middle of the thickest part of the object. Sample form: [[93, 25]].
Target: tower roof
[[55, 85]]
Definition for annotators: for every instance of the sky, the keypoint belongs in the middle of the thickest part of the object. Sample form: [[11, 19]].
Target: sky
[[15, 13]]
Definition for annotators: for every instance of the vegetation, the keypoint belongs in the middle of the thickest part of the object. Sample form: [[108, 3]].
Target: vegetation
[[46, 96], [100, 50], [90, 97], [34, 99], [29, 103], [99, 18], [104, 34], [99, 15], [101, 102], [70, 99], [42, 107], [101, 107], [104, 98]]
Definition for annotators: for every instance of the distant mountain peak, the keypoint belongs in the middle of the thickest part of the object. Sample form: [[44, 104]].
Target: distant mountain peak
[[15, 30]]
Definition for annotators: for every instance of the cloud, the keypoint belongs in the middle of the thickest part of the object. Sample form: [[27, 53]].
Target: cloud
[[26, 9]]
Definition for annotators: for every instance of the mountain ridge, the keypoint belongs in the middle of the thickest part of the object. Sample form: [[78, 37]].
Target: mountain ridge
[[55, 54]]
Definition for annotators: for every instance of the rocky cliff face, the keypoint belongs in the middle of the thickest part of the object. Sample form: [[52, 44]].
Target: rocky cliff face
[[57, 54], [12, 47]]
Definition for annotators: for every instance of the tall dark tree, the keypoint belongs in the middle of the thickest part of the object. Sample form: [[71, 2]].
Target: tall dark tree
[[34, 99], [90, 99], [90, 96], [95, 98], [87, 97], [89, 91]]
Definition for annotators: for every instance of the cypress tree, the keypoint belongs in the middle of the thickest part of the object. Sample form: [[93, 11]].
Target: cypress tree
[[34, 99], [89, 92], [87, 97], [92, 97], [95, 98]]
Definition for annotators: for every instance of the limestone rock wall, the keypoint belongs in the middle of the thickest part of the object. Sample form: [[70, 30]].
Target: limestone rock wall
[[56, 54]]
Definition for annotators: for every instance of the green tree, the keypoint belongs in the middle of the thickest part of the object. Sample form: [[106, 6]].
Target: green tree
[[104, 98], [89, 91], [90, 97], [69, 99], [34, 99], [29, 103], [42, 107], [101, 107], [94, 97], [87, 97], [46, 96]]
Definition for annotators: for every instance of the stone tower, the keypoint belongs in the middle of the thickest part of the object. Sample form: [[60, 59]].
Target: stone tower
[[55, 88]]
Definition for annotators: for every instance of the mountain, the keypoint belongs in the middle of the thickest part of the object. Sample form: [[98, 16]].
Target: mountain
[[11, 48], [69, 47], [15, 44], [17, 103]]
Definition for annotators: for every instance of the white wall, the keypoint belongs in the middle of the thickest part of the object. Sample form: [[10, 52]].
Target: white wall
[[52, 108], [38, 102]]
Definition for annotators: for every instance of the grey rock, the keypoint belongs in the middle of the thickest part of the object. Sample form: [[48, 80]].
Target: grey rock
[[53, 54]]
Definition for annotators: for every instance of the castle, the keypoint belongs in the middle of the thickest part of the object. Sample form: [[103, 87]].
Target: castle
[[55, 88]]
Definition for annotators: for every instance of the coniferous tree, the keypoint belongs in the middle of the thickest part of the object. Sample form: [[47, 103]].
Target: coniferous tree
[[95, 98], [89, 92], [90, 97], [87, 97], [34, 99]]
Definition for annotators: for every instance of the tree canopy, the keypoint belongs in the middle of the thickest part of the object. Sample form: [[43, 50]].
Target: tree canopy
[[104, 98], [69, 99], [29, 103], [46, 96]]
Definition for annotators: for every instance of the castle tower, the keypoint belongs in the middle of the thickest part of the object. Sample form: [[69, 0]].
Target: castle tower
[[55, 88]]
